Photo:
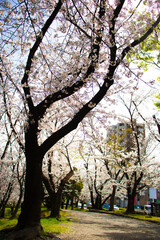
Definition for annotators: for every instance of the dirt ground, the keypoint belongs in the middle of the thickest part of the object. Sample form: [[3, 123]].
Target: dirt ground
[[98, 226]]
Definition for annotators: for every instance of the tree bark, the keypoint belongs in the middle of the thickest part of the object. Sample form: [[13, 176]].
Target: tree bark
[[31, 206], [131, 195], [67, 203], [56, 204], [56, 197], [98, 203], [111, 208]]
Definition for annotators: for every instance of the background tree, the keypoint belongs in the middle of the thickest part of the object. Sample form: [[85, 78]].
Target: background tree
[[72, 191], [57, 177], [12, 179], [94, 169], [138, 164], [114, 160], [87, 37], [102, 161]]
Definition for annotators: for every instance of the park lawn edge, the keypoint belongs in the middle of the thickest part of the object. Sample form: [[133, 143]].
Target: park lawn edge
[[137, 216]]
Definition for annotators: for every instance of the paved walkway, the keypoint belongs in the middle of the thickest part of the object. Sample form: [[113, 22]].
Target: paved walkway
[[98, 226]]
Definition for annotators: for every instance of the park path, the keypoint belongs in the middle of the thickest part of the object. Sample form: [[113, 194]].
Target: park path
[[98, 226]]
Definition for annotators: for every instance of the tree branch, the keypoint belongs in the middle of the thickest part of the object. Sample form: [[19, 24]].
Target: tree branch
[[157, 123], [33, 50], [78, 117], [138, 41], [69, 90]]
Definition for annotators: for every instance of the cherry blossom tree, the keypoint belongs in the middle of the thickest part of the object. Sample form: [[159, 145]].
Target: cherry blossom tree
[[139, 166], [125, 155], [11, 170], [103, 162], [67, 52], [12, 184], [59, 172], [114, 157], [12, 156], [72, 191]]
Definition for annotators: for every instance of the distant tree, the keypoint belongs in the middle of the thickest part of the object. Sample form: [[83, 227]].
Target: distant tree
[[114, 160], [102, 161], [138, 166], [12, 174], [72, 191], [55, 183]]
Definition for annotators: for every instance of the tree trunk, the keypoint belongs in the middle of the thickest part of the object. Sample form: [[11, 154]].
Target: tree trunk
[[76, 203], [82, 205], [72, 203], [111, 208], [92, 199], [67, 203], [56, 197], [31, 206], [131, 196], [62, 204], [56, 205], [2, 213], [28, 226], [98, 203]]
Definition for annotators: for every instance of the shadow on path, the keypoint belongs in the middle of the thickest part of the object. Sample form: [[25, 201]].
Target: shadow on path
[[97, 226]]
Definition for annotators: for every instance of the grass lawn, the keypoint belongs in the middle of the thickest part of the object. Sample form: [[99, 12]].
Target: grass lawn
[[7, 223], [121, 211], [51, 225]]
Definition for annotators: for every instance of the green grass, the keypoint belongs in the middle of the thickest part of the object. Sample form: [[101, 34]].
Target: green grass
[[79, 209], [140, 216], [7, 223], [145, 217], [51, 225]]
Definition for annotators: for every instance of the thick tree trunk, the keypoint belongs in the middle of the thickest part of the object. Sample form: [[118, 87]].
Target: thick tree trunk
[[56, 204], [31, 206], [131, 196], [111, 208], [76, 203], [98, 203], [72, 204], [56, 197], [67, 203], [29, 226]]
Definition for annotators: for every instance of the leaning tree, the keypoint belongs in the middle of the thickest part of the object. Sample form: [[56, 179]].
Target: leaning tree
[[67, 52]]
